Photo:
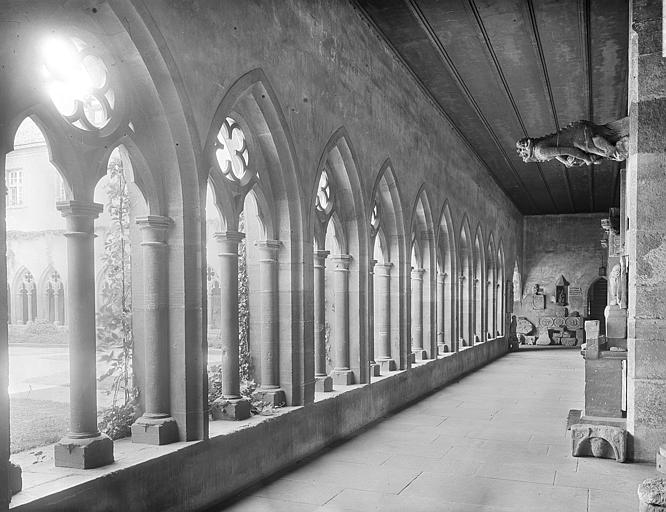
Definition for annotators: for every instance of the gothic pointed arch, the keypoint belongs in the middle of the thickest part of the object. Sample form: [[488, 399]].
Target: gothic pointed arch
[[465, 284], [501, 291], [491, 289], [447, 267], [478, 266]]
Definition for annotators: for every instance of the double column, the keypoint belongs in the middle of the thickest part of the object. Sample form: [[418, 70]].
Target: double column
[[269, 390], [155, 426], [342, 373], [382, 292], [83, 446], [323, 383], [231, 406], [417, 315], [441, 313]]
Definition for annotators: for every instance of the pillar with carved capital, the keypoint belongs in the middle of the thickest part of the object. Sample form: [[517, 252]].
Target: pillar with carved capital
[[342, 373], [417, 315], [476, 301], [323, 383], [382, 283], [441, 314], [374, 366], [230, 406], [269, 390], [83, 446], [155, 426]]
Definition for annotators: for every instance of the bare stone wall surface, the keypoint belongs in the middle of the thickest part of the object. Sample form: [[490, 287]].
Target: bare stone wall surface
[[554, 246], [646, 234]]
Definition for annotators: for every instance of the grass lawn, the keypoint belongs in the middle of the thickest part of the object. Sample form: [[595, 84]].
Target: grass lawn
[[36, 423]]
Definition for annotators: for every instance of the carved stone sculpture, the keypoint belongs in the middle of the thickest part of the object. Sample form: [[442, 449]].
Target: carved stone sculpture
[[614, 285], [652, 495], [602, 441], [580, 143]]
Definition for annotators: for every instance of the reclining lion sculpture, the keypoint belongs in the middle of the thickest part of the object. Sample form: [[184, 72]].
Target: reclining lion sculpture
[[580, 143]]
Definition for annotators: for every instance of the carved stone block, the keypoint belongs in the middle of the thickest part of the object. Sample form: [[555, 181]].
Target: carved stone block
[[573, 322], [568, 342], [652, 495], [524, 326], [601, 441], [544, 338], [538, 302]]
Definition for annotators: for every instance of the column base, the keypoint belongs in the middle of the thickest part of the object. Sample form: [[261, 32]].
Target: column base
[[88, 453], [274, 397], [442, 349], [15, 483], [231, 410], [375, 370], [411, 358], [342, 377], [323, 384], [420, 354], [661, 459], [156, 431], [386, 365]]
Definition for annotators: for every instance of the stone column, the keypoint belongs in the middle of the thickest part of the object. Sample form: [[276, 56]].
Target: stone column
[[373, 365], [463, 318], [155, 426], [441, 314], [230, 406], [646, 234], [417, 315], [341, 374], [382, 310], [323, 383], [269, 390], [83, 446], [477, 324]]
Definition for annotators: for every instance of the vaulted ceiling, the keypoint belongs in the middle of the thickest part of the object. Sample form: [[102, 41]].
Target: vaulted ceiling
[[501, 70]]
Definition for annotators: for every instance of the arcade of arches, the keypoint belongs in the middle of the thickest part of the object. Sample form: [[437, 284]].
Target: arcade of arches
[[303, 217]]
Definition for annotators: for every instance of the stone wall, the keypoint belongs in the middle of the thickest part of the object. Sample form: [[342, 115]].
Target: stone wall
[[646, 233], [554, 246]]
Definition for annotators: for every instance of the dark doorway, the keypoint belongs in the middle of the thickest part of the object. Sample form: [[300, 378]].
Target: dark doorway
[[597, 299]]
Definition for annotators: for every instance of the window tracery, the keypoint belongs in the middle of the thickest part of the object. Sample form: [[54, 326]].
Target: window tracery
[[231, 151], [78, 83]]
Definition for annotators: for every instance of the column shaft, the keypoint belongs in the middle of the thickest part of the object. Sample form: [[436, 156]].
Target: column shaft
[[342, 312], [228, 271], [382, 283], [441, 314], [268, 286], [319, 312], [417, 313]]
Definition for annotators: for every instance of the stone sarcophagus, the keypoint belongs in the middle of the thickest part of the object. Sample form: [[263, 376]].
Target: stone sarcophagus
[[602, 441]]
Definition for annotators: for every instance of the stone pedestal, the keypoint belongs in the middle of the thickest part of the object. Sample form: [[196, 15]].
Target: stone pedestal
[[652, 495], [232, 410], [603, 387], [274, 397], [323, 384], [342, 377], [14, 477], [85, 453], [386, 365], [616, 323], [157, 431]]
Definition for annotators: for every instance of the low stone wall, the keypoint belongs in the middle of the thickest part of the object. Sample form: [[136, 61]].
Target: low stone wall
[[206, 472]]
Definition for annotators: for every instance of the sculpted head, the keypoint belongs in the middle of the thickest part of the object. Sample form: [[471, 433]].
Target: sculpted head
[[525, 148]]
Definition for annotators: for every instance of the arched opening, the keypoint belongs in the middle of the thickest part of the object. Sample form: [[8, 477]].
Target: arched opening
[[447, 284], [478, 288], [597, 300], [465, 284], [491, 290], [501, 294]]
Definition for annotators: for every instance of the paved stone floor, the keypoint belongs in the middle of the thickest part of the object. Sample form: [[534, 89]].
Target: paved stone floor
[[494, 441]]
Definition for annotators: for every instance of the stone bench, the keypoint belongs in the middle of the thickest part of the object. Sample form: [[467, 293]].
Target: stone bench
[[602, 441]]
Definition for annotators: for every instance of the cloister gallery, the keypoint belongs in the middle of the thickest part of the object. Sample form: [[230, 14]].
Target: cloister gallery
[[280, 222]]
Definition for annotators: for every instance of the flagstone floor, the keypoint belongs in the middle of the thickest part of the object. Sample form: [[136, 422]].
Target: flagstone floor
[[494, 441]]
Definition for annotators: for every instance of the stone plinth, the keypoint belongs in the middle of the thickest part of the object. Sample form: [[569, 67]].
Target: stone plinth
[[388, 365], [274, 397], [603, 387], [616, 323], [15, 480], [155, 431], [652, 495], [231, 410], [342, 377], [86, 453], [601, 441], [323, 384]]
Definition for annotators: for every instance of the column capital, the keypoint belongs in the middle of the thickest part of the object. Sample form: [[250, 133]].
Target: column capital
[[229, 236], [372, 263], [321, 254], [342, 261], [441, 276], [154, 228], [417, 273], [384, 266], [268, 249], [461, 278], [79, 209]]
